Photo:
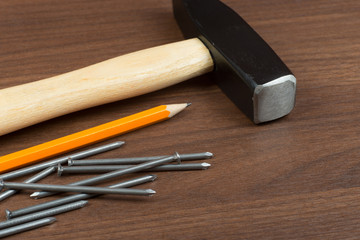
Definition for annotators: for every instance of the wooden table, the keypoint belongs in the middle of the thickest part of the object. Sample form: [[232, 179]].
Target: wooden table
[[295, 178]]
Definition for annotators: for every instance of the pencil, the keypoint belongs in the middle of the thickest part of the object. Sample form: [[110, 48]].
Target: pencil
[[89, 136]]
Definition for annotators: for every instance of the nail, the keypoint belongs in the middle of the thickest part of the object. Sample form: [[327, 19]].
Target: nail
[[79, 155], [75, 197], [136, 160], [110, 175], [33, 179], [42, 214], [78, 189], [109, 168], [26, 227]]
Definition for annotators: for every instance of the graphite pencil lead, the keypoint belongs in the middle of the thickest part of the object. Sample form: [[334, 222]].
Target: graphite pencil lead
[[188, 104]]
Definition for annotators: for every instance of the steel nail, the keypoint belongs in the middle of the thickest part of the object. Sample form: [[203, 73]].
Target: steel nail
[[110, 175], [75, 197], [46, 172], [109, 168], [26, 226], [42, 214], [79, 155], [136, 160], [78, 189]]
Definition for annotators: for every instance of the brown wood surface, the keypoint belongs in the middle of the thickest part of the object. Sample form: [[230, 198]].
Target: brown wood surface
[[295, 178]]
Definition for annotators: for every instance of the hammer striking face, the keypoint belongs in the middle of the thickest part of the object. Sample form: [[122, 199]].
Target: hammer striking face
[[246, 69]]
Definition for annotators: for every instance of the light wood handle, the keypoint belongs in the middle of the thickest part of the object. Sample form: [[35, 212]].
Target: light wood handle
[[112, 80]]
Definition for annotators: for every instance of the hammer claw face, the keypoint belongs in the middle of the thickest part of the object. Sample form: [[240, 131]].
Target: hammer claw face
[[247, 70]]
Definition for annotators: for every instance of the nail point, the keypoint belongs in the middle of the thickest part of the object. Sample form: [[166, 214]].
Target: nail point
[[34, 195], [150, 191], [153, 177], [83, 203], [51, 219], [206, 165], [209, 154]]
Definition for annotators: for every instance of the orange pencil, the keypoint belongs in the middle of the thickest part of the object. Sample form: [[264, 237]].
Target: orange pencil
[[91, 135]]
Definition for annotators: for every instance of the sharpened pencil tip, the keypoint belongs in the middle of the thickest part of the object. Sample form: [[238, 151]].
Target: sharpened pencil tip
[[188, 104], [205, 165]]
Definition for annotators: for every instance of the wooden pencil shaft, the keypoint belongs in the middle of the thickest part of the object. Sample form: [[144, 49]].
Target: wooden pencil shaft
[[81, 189], [75, 197], [135, 160], [26, 227], [109, 168], [38, 167], [111, 175], [88, 136], [43, 214]]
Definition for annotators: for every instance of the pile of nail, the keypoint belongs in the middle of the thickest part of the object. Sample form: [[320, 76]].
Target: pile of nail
[[41, 214]]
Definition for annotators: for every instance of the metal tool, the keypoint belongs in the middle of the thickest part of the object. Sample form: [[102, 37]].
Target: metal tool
[[77, 189], [108, 168], [26, 227], [75, 197], [136, 160], [42, 214], [110, 175], [247, 70], [55, 162], [33, 179]]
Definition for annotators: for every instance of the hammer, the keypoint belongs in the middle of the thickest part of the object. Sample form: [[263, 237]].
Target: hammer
[[247, 70]]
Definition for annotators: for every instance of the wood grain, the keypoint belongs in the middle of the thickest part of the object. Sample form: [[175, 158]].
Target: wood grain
[[295, 178], [112, 80]]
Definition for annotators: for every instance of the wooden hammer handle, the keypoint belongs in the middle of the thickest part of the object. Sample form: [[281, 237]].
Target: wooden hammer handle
[[112, 80]]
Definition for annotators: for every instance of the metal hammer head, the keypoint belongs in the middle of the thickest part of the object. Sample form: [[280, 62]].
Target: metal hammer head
[[247, 69]]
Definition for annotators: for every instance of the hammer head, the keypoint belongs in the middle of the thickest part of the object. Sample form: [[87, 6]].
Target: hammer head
[[247, 69]]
